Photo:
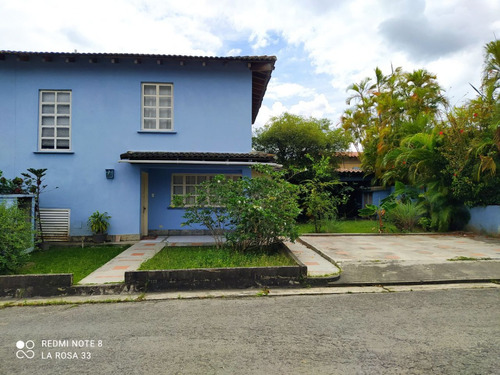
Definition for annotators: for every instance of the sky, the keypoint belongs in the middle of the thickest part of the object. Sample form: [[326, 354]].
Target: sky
[[322, 46]]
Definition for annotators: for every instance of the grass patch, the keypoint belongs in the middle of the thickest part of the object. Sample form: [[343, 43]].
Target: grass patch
[[348, 226], [466, 258], [76, 260], [174, 258]]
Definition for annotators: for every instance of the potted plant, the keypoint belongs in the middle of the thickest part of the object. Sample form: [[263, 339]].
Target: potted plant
[[98, 223]]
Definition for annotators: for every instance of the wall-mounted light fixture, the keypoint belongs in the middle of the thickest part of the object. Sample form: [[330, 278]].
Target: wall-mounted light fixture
[[110, 174]]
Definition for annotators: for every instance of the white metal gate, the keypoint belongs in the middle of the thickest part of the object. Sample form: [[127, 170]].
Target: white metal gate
[[55, 223]]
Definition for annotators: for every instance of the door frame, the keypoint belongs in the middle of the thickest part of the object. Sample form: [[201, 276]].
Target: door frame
[[144, 203]]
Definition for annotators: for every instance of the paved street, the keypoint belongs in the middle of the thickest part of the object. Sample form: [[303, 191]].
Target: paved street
[[419, 332]]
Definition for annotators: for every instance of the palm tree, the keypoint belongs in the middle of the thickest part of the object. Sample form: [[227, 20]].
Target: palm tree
[[491, 70]]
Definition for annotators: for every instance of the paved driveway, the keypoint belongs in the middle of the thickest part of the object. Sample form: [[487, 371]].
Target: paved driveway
[[418, 248], [372, 259]]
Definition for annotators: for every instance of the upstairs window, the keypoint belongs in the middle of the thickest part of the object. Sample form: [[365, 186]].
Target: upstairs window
[[55, 121], [157, 106]]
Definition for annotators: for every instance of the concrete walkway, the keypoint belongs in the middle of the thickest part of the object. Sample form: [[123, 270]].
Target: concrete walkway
[[317, 266], [134, 256], [129, 260], [190, 241]]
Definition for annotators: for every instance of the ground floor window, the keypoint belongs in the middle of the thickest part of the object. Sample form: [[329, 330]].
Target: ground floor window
[[183, 184]]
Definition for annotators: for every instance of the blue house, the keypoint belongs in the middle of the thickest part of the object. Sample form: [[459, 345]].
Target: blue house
[[123, 133]]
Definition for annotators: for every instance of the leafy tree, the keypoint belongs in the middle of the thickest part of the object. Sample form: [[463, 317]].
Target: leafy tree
[[471, 139], [387, 109], [452, 158], [320, 202], [292, 137], [491, 70]]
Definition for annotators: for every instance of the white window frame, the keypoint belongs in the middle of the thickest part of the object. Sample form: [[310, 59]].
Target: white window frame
[[54, 119], [186, 185], [162, 122]]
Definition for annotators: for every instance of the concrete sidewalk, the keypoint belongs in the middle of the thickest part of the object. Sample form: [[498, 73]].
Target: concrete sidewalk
[[129, 260], [238, 293]]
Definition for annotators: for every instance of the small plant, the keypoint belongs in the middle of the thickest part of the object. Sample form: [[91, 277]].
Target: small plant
[[98, 222], [14, 186], [264, 292], [379, 212], [406, 216]]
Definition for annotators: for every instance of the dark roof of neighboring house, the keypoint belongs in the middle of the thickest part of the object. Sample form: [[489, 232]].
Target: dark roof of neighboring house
[[261, 66], [198, 156]]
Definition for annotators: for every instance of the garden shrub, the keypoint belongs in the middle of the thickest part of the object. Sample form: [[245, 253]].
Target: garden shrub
[[16, 237], [249, 212], [264, 214], [320, 201], [406, 215]]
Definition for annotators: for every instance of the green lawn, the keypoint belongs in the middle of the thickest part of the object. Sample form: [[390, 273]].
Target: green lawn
[[348, 226], [76, 260], [171, 258]]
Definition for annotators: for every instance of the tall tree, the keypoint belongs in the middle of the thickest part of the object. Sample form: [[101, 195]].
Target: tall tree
[[389, 108], [491, 70], [292, 137]]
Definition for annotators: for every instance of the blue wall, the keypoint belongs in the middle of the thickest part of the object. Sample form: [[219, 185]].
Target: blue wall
[[485, 220], [212, 113], [376, 195]]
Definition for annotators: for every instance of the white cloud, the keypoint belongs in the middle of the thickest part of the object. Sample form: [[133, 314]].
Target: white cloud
[[265, 113], [278, 91], [234, 52], [316, 41], [318, 107]]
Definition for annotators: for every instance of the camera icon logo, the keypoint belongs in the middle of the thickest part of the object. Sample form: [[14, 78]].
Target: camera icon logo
[[25, 349]]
